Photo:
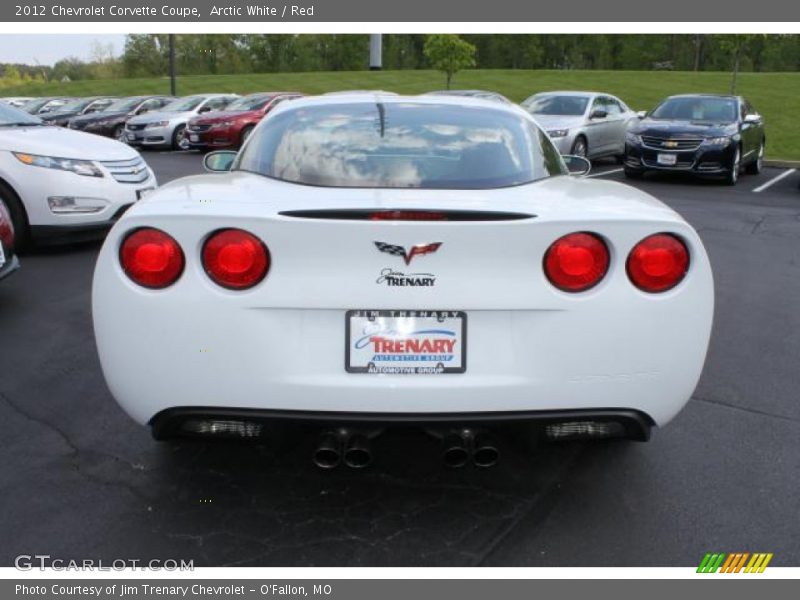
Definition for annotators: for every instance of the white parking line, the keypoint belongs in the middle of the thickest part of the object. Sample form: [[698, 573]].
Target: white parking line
[[609, 172], [774, 180]]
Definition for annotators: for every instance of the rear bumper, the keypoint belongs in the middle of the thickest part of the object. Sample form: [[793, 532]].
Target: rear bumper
[[282, 346], [630, 424]]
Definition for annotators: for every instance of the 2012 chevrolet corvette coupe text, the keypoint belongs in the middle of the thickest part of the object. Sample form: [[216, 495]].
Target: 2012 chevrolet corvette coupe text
[[386, 259]]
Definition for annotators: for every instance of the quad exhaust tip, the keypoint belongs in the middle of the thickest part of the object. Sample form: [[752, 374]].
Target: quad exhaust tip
[[342, 447], [459, 447]]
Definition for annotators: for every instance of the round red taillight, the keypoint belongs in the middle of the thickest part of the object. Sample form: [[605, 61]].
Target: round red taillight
[[235, 259], [658, 263], [151, 258], [576, 262]]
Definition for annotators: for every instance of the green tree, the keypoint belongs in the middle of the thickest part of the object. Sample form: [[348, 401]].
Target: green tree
[[145, 55], [449, 54], [737, 47]]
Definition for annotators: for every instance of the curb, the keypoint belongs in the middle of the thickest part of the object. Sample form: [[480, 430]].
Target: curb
[[782, 164]]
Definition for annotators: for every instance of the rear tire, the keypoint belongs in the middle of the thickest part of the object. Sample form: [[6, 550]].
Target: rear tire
[[19, 219], [633, 173]]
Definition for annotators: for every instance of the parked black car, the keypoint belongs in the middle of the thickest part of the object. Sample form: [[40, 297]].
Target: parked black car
[[80, 106], [702, 134], [40, 106], [111, 122]]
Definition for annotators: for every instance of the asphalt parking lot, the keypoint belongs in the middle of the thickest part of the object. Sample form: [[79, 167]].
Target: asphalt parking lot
[[80, 480]]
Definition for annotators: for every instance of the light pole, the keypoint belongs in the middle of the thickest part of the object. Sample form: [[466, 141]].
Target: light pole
[[172, 86], [375, 52]]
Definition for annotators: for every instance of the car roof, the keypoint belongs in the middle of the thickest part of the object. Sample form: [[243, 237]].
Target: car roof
[[392, 98], [729, 96], [210, 95], [571, 93]]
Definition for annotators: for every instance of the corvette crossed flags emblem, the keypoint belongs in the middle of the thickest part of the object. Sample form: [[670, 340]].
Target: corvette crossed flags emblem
[[418, 250]]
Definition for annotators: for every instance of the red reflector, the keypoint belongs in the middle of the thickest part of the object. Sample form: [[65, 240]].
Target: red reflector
[[235, 259], [407, 215], [151, 258], [658, 263], [576, 262]]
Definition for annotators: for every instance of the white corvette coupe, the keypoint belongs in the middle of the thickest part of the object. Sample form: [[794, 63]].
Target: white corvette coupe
[[374, 259]]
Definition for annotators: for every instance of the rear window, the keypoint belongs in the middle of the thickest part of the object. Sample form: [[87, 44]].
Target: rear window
[[400, 145]]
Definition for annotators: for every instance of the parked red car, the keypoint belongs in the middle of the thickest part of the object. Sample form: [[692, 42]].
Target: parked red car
[[8, 260], [229, 128]]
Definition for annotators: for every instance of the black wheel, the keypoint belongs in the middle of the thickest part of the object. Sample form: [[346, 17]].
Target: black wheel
[[245, 134], [119, 134], [633, 173], [580, 147], [180, 141], [754, 168], [19, 219], [732, 176]]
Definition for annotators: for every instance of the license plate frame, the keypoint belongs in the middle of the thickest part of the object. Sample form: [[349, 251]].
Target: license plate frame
[[448, 326], [667, 159]]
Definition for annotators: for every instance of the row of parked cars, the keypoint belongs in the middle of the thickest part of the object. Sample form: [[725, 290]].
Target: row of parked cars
[[58, 180], [199, 121]]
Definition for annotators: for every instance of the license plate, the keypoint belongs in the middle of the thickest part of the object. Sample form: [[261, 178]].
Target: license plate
[[194, 137], [406, 342], [2, 255], [143, 192], [667, 159]]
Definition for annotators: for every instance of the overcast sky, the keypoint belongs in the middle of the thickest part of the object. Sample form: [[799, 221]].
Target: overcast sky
[[48, 49]]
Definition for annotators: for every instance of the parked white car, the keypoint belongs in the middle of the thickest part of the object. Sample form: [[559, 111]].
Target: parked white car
[[166, 128], [16, 101], [586, 124], [385, 259], [57, 182]]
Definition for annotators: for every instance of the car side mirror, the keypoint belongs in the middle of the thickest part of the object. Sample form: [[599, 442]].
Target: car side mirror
[[598, 113], [577, 165], [142, 110], [641, 114], [204, 109], [752, 118], [219, 162]]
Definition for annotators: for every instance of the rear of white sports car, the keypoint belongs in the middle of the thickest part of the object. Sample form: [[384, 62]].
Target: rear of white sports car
[[228, 302]]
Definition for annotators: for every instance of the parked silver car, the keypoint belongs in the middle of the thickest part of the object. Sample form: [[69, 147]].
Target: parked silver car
[[167, 126], [588, 124]]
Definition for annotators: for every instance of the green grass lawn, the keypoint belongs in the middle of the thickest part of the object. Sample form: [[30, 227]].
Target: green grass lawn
[[773, 94]]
